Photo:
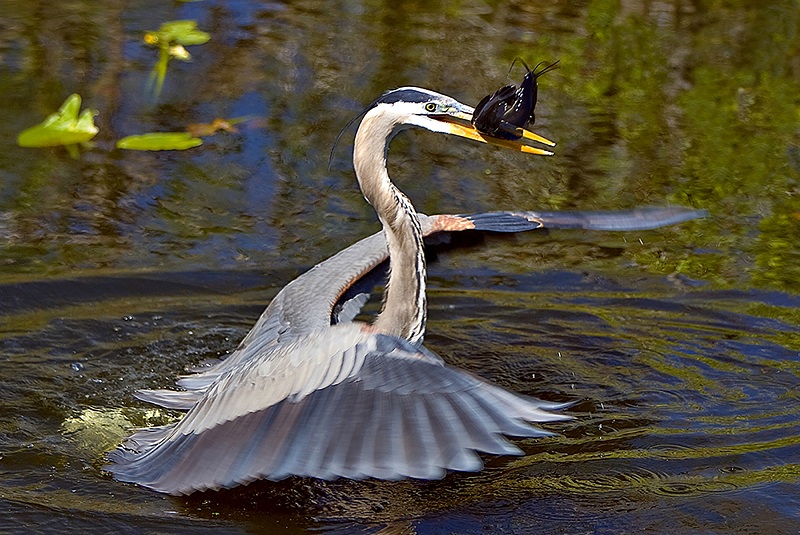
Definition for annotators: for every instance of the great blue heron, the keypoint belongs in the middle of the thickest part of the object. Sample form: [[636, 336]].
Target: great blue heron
[[302, 396]]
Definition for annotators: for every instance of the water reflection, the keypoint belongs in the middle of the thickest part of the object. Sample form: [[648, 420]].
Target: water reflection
[[634, 128], [682, 397]]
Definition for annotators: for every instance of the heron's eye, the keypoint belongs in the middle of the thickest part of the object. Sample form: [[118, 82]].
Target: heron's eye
[[430, 106]]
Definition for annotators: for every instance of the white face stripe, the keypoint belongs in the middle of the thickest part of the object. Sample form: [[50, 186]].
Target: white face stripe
[[427, 123], [408, 114]]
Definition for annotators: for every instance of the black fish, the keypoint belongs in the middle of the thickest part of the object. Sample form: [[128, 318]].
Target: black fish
[[510, 108]]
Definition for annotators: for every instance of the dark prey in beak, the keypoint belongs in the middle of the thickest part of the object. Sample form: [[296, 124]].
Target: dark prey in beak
[[503, 113]]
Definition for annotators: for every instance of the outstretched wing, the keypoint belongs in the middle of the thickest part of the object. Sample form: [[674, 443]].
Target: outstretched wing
[[306, 303], [303, 306], [646, 218], [378, 408]]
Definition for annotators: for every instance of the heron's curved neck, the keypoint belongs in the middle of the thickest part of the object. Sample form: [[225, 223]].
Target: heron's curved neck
[[404, 303]]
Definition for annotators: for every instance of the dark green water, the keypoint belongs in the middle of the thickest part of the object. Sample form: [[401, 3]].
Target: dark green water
[[681, 346]]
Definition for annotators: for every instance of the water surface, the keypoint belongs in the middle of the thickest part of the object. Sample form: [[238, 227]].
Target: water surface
[[680, 347]]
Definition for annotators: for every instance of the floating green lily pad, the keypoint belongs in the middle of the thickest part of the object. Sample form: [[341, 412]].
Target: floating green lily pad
[[64, 127], [160, 141]]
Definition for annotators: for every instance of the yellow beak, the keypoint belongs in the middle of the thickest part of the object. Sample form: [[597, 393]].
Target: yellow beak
[[460, 124]]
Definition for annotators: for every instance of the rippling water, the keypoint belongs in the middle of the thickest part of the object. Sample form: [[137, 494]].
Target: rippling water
[[680, 348], [686, 414]]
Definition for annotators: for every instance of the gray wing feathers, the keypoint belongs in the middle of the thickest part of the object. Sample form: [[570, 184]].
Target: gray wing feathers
[[309, 299], [305, 304], [348, 310], [302, 306], [398, 413], [645, 218], [264, 336], [169, 399]]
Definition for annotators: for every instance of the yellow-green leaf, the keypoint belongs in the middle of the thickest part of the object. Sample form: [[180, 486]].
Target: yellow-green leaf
[[160, 141], [182, 32], [64, 127]]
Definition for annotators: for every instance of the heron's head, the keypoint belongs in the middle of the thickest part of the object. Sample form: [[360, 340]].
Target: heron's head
[[407, 107], [415, 106]]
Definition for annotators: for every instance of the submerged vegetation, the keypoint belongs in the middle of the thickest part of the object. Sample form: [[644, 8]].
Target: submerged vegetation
[[648, 107], [172, 38], [66, 128]]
